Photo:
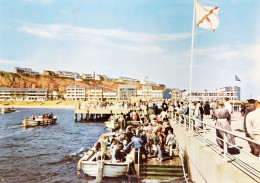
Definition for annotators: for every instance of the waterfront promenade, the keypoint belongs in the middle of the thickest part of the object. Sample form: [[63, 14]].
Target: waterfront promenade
[[237, 122], [207, 162]]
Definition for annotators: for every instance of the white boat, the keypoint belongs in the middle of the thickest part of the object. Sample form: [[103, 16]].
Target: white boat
[[8, 110], [103, 168], [111, 124], [39, 121], [109, 169]]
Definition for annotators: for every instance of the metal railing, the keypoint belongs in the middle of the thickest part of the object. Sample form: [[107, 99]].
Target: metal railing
[[204, 133]]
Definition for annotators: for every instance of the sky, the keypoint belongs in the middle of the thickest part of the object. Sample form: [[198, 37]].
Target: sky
[[135, 38]]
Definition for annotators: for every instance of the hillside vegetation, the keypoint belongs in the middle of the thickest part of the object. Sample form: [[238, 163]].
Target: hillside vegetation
[[54, 83]]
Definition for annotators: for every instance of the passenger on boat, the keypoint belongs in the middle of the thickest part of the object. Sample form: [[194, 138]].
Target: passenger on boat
[[51, 116], [112, 149], [137, 142], [119, 153]]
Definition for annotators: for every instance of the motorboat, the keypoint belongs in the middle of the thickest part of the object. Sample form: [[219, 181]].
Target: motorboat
[[8, 110], [42, 120]]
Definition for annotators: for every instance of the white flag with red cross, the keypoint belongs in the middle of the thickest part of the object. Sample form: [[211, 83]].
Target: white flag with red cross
[[207, 16]]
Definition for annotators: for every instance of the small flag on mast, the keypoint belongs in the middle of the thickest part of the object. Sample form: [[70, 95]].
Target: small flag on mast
[[207, 16], [237, 79]]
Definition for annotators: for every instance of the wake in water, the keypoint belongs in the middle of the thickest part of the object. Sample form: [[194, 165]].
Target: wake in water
[[78, 154], [12, 134], [14, 126]]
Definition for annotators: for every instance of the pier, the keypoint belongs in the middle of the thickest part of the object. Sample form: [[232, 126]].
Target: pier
[[199, 157], [97, 114]]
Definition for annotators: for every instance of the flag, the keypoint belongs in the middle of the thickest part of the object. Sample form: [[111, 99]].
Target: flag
[[207, 16], [237, 79], [104, 147]]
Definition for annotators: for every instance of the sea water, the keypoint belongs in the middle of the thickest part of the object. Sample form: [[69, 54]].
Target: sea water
[[43, 153]]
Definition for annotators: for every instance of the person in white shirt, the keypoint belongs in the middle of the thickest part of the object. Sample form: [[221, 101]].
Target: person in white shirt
[[228, 106], [253, 127], [170, 141]]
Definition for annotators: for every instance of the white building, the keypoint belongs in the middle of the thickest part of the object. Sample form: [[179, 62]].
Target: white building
[[87, 76], [125, 79], [126, 91], [110, 95], [78, 91], [147, 92], [220, 94], [23, 94], [95, 94], [231, 89], [22, 70], [67, 74], [157, 94]]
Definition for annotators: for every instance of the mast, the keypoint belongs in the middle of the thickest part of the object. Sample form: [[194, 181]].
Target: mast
[[191, 62]]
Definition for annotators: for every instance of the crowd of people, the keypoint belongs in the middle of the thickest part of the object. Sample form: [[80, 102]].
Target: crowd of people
[[153, 137]]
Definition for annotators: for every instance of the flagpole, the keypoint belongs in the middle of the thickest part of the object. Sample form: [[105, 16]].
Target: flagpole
[[75, 93], [191, 63], [233, 99]]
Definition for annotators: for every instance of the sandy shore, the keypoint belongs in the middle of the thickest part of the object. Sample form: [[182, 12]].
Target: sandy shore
[[38, 104]]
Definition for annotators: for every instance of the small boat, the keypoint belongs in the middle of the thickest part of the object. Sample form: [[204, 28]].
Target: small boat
[[7, 110], [111, 124], [43, 120], [103, 168], [114, 121]]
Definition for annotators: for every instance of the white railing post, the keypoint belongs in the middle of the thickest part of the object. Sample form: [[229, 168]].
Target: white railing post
[[192, 125], [204, 134], [225, 146], [179, 119]]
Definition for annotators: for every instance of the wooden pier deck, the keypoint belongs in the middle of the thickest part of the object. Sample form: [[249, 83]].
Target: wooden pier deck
[[168, 169], [101, 111], [86, 114]]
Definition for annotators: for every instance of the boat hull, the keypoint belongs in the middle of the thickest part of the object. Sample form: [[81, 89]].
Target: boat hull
[[34, 123], [7, 110], [110, 169], [111, 125]]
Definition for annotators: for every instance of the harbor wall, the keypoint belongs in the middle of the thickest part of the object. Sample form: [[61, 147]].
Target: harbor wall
[[204, 164]]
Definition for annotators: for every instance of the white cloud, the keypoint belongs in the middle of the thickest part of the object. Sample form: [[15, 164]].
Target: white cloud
[[70, 32], [105, 39]]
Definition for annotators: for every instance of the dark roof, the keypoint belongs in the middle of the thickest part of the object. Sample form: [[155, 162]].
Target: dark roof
[[251, 101]]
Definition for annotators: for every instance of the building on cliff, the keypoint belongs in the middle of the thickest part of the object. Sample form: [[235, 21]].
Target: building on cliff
[[20, 70], [67, 74], [87, 76]]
